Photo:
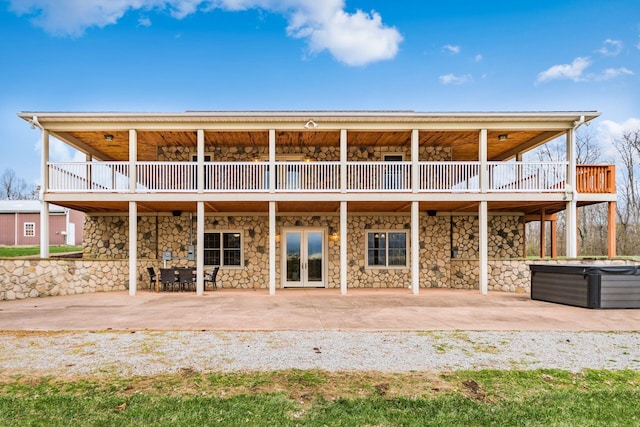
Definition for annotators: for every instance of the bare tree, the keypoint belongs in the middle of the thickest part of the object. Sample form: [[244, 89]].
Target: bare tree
[[628, 207], [592, 225], [14, 188]]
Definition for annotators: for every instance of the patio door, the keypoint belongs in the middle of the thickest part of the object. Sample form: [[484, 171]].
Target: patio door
[[303, 254]]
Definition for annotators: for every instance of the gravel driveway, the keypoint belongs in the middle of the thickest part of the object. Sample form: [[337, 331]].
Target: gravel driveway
[[149, 353]]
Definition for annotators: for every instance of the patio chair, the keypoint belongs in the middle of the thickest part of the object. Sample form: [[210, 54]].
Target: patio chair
[[168, 279], [185, 277], [211, 278], [152, 277]]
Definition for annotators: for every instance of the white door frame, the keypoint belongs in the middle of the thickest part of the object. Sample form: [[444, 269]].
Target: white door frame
[[303, 283]]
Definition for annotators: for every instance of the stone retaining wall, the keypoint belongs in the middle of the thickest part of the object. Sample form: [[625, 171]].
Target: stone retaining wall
[[32, 278]]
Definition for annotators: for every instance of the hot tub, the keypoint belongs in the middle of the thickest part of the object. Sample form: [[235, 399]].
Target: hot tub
[[590, 286]]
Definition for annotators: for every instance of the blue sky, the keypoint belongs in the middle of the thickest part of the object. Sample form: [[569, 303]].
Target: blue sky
[[176, 55]]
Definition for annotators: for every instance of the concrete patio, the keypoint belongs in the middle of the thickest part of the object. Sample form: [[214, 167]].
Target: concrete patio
[[316, 309]]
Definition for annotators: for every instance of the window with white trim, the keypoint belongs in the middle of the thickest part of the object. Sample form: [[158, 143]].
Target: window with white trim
[[29, 229], [386, 248], [223, 248]]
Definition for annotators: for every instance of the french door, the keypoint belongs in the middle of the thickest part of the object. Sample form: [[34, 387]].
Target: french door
[[303, 254]]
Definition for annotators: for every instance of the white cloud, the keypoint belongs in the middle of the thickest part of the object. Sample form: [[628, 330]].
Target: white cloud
[[571, 71], [60, 152], [611, 47], [144, 21], [452, 79], [353, 38], [575, 72], [451, 49], [611, 73], [609, 131], [478, 58]]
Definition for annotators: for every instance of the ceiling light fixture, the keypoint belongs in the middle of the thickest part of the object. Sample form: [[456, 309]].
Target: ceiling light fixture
[[503, 137], [311, 124], [108, 137]]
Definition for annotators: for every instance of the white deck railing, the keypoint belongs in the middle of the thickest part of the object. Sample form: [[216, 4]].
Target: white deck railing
[[378, 176], [236, 176], [449, 176], [166, 176], [307, 177], [527, 177], [89, 176]]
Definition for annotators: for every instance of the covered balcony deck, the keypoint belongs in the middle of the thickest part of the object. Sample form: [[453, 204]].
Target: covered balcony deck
[[326, 177]]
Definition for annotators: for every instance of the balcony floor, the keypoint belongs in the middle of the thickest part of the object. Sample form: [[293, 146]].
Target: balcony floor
[[317, 207]]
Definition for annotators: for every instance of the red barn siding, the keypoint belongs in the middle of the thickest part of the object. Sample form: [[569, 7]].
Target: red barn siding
[[7, 229], [22, 239], [57, 228]]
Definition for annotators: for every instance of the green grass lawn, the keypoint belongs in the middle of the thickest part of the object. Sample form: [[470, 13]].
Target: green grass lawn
[[16, 251], [315, 398]]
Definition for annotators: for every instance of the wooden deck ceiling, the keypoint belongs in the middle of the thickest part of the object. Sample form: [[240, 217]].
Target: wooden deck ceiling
[[463, 144]]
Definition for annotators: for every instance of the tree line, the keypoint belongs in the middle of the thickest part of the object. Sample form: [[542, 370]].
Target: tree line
[[13, 187]]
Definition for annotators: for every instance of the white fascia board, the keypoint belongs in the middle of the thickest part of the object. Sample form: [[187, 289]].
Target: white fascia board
[[280, 119]]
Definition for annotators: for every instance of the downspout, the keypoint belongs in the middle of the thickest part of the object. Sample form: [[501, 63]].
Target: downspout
[[35, 123]]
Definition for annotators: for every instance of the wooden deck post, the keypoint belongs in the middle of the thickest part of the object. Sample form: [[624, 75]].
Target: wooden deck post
[[554, 239], [611, 229], [543, 234]]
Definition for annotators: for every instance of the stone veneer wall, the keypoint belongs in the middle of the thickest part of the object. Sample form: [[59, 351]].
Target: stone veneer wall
[[358, 275], [32, 278], [321, 154], [515, 276], [106, 238], [35, 278]]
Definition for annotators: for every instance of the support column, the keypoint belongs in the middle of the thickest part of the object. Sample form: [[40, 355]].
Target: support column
[[272, 248], [44, 187], [200, 165], [483, 223], [200, 248], [343, 212], [482, 157], [554, 239], [343, 248], [415, 153], [543, 234], [133, 248], [272, 160], [133, 158], [611, 229], [415, 247], [571, 225], [343, 161]]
